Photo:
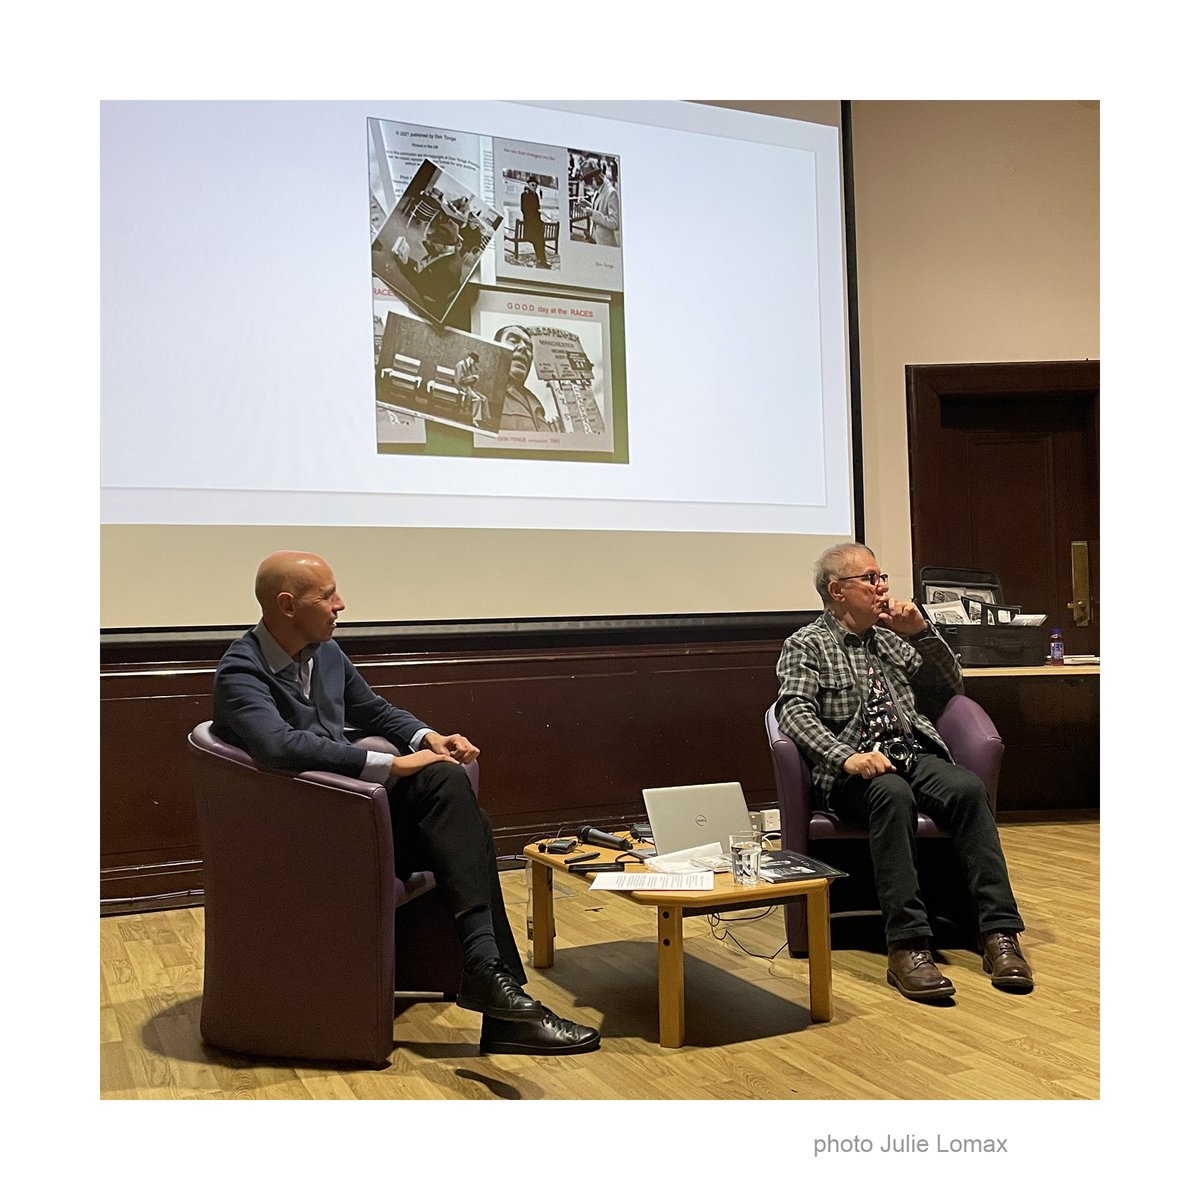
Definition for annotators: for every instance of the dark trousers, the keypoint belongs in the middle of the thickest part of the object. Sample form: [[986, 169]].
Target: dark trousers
[[956, 799], [438, 826], [536, 232]]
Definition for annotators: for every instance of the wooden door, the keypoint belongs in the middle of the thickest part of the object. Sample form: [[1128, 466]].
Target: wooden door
[[1004, 472]]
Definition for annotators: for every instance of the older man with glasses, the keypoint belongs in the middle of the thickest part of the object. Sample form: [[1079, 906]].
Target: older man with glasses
[[855, 688]]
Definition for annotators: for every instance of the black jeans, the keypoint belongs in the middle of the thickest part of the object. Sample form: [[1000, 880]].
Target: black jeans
[[956, 799], [438, 826]]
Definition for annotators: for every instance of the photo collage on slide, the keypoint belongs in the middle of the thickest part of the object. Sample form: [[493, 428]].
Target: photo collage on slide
[[498, 296]]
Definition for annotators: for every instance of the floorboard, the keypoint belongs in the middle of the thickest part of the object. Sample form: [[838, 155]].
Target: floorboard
[[748, 1027]]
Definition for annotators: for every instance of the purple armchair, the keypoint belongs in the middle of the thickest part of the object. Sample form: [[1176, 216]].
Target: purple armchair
[[971, 737], [307, 931]]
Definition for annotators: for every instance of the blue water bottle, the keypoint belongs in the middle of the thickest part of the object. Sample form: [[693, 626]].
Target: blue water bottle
[[1057, 650]]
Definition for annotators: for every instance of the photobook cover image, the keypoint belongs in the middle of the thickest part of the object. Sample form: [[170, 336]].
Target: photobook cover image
[[440, 374], [559, 393], [429, 245]]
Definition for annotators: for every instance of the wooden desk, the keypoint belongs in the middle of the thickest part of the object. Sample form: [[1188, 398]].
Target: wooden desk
[[1046, 671], [1049, 718], [672, 907]]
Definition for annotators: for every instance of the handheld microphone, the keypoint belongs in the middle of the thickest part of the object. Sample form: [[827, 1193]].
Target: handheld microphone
[[597, 837]]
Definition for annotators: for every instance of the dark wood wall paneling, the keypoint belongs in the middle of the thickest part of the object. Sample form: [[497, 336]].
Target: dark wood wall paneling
[[572, 720], [1051, 731]]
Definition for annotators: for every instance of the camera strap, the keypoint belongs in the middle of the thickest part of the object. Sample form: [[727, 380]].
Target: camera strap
[[905, 728], [864, 690]]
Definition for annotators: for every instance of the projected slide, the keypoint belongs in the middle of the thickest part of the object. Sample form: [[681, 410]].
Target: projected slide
[[473, 315], [558, 253]]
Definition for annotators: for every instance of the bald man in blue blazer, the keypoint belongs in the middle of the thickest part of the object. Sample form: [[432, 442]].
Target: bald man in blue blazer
[[285, 693]]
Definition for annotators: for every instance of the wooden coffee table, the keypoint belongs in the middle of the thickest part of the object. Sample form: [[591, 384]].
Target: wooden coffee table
[[672, 907]]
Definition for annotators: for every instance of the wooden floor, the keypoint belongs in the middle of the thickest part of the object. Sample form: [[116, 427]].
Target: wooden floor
[[749, 1034]]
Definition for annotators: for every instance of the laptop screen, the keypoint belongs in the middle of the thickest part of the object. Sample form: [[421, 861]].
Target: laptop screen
[[685, 817]]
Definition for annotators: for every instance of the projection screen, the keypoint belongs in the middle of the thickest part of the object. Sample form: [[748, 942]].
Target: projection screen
[[492, 360]]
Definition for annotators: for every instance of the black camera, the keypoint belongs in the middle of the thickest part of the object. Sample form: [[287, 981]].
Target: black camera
[[901, 755]]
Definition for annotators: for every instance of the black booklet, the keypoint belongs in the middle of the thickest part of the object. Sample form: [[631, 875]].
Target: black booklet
[[786, 866]]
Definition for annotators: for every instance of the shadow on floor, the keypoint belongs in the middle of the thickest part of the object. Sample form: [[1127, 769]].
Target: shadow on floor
[[620, 981]]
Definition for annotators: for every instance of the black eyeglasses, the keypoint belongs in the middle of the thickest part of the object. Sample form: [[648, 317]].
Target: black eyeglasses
[[872, 578]]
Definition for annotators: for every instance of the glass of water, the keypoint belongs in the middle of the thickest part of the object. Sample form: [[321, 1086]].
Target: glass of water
[[745, 848]]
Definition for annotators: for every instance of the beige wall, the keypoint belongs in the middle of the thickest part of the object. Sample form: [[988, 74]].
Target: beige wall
[[978, 228], [168, 575]]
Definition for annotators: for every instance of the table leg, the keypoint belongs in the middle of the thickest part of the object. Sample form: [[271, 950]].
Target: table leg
[[670, 976], [820, 955], [541, 891]]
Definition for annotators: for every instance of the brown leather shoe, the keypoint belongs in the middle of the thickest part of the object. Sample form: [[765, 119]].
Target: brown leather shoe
[[911, 970], [1004, 962]]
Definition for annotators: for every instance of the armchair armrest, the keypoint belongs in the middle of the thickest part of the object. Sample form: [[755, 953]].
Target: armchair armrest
[[793, 786], [972, 739]]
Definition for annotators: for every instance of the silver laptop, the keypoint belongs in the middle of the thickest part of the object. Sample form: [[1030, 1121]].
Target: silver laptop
[[684, 817]]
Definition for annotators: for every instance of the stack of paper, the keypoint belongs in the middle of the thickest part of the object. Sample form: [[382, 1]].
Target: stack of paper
[[710, 856], [652, 881]]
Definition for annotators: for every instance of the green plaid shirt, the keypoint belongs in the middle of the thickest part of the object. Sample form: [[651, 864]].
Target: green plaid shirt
[[823, 689]]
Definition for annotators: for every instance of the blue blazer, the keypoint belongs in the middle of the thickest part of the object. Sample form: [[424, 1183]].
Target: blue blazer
[[270, 719]]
